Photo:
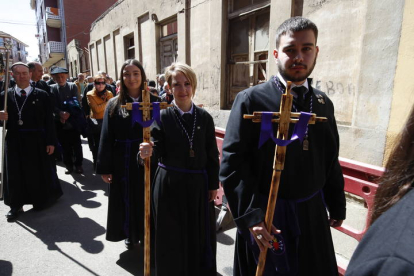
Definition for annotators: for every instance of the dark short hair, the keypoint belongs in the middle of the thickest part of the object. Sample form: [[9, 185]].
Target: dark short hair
[[293, 25], [32, 65]]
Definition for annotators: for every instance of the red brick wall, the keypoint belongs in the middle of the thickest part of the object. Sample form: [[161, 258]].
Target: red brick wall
[[80, 14]]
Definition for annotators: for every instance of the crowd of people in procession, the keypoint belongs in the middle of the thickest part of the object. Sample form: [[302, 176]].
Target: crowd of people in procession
[[47, 115]]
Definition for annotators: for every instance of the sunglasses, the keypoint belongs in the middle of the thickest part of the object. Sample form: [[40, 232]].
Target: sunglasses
[[99, 82]]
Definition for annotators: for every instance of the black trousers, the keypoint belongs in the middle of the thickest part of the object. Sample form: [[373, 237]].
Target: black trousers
[[71, 147]]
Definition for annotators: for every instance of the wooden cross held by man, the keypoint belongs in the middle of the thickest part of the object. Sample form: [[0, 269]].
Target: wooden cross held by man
[[146, 107], [285, 118]]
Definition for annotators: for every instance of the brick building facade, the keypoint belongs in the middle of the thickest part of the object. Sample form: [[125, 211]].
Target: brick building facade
[[59, 22]]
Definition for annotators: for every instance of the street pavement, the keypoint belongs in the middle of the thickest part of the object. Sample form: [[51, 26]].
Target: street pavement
[[69, 237]]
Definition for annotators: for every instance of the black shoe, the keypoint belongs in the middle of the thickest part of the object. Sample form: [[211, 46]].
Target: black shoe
[[14, 213], [128, 244], [79, 169], [68, 171]]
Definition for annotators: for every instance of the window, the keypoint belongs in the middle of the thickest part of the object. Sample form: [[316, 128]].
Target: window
[[248, 49], [242, 4], [129, 46], [1, 42]]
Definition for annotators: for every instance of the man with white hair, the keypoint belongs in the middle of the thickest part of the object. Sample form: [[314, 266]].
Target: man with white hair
[[29, 176]]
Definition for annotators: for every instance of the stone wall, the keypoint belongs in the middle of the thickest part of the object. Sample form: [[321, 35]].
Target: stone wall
[[362, 66]]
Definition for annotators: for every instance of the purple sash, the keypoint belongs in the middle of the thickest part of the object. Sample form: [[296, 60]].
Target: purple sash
[[266, 130], [137, 114]]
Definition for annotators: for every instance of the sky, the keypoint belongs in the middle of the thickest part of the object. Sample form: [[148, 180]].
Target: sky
[[19, 20]]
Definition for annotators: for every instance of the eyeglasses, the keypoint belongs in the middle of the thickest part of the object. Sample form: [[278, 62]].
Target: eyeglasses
[[99, 82]]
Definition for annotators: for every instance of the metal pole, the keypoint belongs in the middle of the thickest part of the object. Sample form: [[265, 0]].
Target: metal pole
[[7, 46]]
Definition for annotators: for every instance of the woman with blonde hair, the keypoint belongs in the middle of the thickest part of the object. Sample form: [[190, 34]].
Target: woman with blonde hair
[[185, 182], [118, 149], [97, 99]]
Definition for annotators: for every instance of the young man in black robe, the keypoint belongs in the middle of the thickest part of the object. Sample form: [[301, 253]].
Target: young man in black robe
[[30, 176], [311, 181]]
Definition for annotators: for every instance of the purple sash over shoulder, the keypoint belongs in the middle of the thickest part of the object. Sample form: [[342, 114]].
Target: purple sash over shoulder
[[266, 130], [137, 114]]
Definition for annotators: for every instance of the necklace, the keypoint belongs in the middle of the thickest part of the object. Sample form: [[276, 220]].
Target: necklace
[[190, 140], [19, 110], [305, 141]]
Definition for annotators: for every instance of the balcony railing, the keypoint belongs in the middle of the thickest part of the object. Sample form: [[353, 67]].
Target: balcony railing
[[55, 47], [53, 17]]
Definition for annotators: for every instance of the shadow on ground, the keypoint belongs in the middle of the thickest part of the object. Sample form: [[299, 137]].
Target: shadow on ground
[[133, 261], [88, 180], [60, 223]]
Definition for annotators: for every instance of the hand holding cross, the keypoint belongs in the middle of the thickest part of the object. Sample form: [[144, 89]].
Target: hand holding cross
[[146, 106], [285, 118]]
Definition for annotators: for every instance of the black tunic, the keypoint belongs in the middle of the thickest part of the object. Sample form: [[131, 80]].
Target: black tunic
[[246, 174], [117, 155], [387, 247], [184, 231], [30, 174]]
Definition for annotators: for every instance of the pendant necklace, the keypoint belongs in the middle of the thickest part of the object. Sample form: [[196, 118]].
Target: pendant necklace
[[19, 110], [190, 140], [305, 141]]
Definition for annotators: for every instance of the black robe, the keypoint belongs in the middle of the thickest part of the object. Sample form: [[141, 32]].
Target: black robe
[[184, 231], [246, 174], [387, 246], [117, 155], [30, 173]]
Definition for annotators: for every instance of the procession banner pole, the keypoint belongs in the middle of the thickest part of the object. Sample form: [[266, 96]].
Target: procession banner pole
[[7, 46], [146, 116], [286, 117], [146, 107]]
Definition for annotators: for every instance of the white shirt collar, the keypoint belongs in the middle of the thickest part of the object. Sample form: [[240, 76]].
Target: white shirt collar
[[182, 112], [304, 84], [134, 99], [27, 89]]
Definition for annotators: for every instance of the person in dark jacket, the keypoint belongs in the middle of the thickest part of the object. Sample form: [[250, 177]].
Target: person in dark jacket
[[387, 248], [29, 175], [70, 120]]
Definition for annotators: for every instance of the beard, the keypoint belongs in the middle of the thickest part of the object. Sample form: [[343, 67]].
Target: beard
[[296, 78]]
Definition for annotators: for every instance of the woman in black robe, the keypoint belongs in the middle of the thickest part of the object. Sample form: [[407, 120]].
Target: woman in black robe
[[185, 182], [116, 162]]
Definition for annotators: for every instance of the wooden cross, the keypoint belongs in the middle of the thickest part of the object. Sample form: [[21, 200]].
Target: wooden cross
[[285, 118], [146, 107]]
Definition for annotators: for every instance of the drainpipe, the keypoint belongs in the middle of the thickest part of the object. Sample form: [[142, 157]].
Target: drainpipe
[[62, 10]]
